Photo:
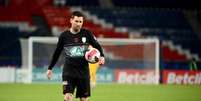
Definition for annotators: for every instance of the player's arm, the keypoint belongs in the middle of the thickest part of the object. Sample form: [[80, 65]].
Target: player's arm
[[96, 45], [55, 57]]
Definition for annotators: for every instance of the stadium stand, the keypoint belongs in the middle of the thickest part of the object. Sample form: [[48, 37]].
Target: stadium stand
[[184, 4], [166, 23], [82, 3]]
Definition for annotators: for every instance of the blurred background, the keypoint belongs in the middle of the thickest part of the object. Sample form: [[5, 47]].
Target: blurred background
[[175, 23]]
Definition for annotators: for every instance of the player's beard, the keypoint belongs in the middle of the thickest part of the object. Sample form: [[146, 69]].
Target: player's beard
[[76, 29]]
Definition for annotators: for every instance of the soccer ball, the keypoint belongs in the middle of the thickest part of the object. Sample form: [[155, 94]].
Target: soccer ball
[[92, 55]]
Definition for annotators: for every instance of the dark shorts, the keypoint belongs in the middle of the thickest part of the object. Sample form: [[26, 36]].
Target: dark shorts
[[82, 86]]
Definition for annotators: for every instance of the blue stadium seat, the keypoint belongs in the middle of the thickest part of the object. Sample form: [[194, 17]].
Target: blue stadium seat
[[10, 51], [82, 2], [138, 18], [170, 25]]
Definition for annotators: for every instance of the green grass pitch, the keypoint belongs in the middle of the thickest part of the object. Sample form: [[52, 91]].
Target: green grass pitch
[[103, 92]]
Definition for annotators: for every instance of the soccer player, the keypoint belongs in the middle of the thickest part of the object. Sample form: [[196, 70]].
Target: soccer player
[[75, 43], [193, 65], [93, 69]]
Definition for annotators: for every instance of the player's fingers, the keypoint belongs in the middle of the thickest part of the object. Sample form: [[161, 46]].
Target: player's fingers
[[49, 74], [102, 61], [49, 77]]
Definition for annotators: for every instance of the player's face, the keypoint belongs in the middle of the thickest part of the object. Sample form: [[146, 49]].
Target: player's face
[[76, 23]]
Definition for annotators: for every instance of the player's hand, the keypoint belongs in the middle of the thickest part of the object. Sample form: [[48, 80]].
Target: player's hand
[[49, 74], [101, 60]]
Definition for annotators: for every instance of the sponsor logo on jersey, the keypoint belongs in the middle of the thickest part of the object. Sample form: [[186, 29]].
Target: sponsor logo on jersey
[[77, 51], [74, 51]]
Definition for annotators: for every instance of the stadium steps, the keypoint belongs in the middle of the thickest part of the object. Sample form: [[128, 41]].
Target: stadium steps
[[57, 22], [42, 27], [108, 12], [150, 19], [104, 29]]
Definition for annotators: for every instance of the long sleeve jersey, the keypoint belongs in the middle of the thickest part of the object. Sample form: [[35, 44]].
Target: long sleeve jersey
[[75, 46]]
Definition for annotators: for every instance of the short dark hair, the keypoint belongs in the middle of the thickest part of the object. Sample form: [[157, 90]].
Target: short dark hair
[[77, 13]]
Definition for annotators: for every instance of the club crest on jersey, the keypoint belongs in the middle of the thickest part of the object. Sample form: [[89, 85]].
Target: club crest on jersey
[[84, 39]]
